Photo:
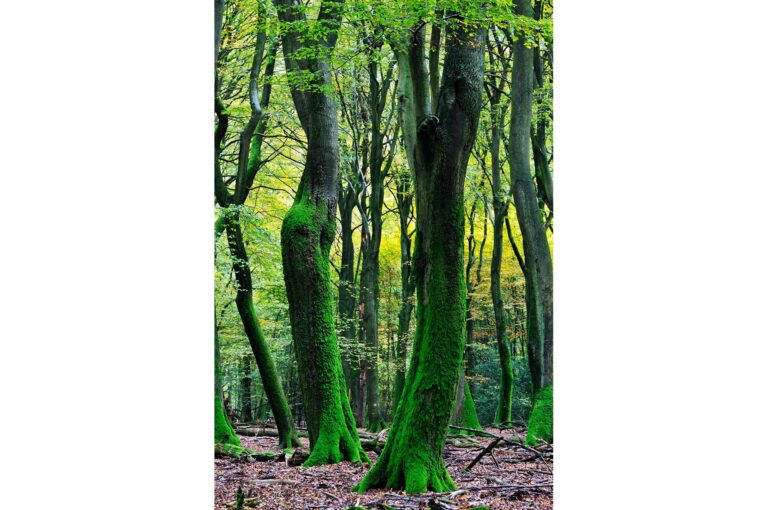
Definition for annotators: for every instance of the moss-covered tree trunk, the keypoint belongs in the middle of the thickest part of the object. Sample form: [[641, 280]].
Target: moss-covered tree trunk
[[224, 433], [538, 259], [440, 145], [269, 377], [307, 234]]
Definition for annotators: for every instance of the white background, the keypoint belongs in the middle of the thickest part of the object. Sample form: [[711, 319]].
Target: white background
[[107, 264]]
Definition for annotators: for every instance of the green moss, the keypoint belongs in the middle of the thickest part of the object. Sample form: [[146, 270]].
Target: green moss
[[306, 237], [223, 431], [232, 450], [470, 414], [412, 458], [540, 422]]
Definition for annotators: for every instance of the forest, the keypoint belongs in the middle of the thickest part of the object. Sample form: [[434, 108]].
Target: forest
[[383, 235]]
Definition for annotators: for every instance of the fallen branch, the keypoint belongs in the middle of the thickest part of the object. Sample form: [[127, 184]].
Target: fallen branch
[[487, 449], [516, 487], [274, 481]]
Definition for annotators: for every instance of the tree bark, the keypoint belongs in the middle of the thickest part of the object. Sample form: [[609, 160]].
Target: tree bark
[[224, 433], [246, 408], [371, 238], [350, 356], [464, 413], [404, 199], [440, 147], [247, 167], [500, 207], [306, 236], [538, 260], [539, 130]]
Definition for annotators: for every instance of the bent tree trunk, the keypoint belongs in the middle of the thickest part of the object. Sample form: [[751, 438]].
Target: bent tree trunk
[[247, 165], [222, 430], [441, 145], [306, 236], [269, 377], [538, 260]]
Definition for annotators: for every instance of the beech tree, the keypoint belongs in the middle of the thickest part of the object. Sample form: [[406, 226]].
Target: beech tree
[[538, 259], [308, 231], [496, 89], [438, 139]]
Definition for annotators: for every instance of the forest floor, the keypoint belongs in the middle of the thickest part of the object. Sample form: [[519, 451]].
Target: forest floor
[[510, 476]]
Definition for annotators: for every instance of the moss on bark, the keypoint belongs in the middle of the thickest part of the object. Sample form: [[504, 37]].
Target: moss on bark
[[306, 245], [223, 431], [540, 421]]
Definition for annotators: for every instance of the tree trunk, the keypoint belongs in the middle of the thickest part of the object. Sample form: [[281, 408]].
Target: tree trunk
[[350, 358], [306, 236], [407, 284], [247, 167], [371, 240], [244, 300], [504, 412], [464, 413], [412, 458], [539, 131], [246, 409], [224, 433], [538, 260]]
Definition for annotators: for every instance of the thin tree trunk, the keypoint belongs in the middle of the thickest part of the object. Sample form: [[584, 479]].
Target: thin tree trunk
[[246, 409], [539, 131], [504, 412], [371, 239], [248, 164], [407, 283], [464, 413], [224, 433], [348, 341], [538, 260]]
